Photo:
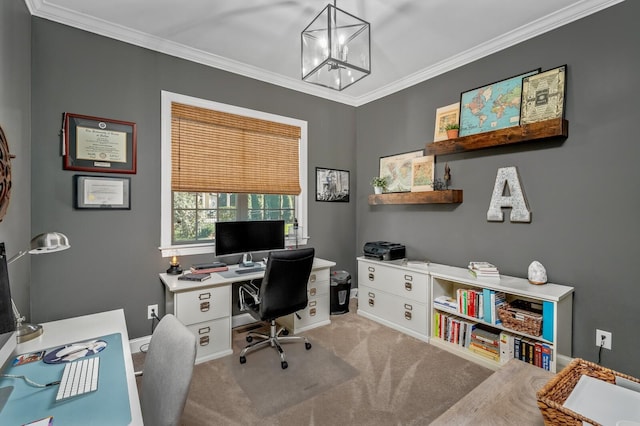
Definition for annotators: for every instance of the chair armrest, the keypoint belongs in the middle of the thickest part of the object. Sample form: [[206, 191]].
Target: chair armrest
[[250, 289]]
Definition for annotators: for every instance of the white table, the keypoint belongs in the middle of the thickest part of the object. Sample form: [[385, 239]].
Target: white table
[[57, 333]]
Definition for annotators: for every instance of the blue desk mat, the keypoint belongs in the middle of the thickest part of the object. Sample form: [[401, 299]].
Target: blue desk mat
[[109, 405]]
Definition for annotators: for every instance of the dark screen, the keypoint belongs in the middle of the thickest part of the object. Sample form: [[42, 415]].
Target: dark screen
[[7, 321], [249, 236]]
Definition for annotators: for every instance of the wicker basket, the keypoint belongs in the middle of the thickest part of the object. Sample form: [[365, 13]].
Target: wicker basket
[[553, 395], [520, 320]]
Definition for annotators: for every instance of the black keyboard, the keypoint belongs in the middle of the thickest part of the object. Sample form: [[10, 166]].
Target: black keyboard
[[249, 270]]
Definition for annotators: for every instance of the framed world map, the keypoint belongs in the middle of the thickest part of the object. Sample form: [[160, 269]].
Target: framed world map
[[493, 106]]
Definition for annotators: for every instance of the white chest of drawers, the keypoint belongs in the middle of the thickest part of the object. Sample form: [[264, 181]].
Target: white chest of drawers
[[394, 295]]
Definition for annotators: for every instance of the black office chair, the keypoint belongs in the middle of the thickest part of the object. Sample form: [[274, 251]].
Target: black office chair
[[282, 291]]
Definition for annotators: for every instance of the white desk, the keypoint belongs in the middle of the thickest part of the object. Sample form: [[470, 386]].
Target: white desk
[[57, 333], [205, 306]]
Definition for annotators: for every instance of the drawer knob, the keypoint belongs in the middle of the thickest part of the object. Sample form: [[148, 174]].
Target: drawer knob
[[204, 306], [204, 296], [204, 340], [372, 277], [312, 312], [407, 315], [372, 302], [408, 286], [312, 291], [312, 278]]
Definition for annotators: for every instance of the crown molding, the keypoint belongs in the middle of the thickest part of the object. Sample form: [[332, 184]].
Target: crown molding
[[42, 9]]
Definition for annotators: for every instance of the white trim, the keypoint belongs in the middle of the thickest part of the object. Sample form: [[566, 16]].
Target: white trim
[[136, 344], [166, 98], [576, 11]]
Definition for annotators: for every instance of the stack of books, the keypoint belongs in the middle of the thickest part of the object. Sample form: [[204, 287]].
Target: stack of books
[[485, 343], [483, 270]]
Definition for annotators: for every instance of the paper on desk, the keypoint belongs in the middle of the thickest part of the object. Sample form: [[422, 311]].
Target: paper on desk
[[604, 402]]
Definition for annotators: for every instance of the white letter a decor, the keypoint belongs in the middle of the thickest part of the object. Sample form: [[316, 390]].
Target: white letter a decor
[[508, 193]]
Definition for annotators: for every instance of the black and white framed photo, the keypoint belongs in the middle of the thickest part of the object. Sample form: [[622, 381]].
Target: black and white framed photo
[[332, 185], [99, 192]]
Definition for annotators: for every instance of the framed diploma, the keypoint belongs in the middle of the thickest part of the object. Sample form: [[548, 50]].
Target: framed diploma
[[99, 192], [96, 144]]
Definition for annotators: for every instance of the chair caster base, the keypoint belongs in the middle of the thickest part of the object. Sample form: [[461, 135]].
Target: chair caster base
[[243, 360], [284, 365], [307, 345]]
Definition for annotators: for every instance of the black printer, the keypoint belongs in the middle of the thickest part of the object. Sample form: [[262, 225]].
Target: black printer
[[384, 250]]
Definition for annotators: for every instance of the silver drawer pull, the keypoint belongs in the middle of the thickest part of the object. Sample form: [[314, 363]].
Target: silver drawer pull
[[408, 278], [312, 291], [204, 296], [204, 330], [408, 307], [204, 307], [371, 302], [204, 340], [408, 286], [312, 278], [372, 277], [371, 269], [313, 303], [372, 295], [312, 312], [407, 315]]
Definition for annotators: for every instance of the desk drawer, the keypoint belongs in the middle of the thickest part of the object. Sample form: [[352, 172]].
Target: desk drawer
[[204, 304], [408, 284], [397, 310], [212, 336]]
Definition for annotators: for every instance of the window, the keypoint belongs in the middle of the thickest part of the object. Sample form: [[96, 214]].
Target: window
[[203, 187]]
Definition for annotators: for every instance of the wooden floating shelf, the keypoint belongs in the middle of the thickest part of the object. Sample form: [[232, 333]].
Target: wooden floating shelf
[[555, 128], [449, 196]]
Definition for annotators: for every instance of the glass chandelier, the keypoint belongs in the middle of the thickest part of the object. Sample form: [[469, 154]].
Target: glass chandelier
[[336, 49]]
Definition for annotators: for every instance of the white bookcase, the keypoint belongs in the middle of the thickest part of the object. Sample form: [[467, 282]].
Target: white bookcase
[[401, 296], [557, 316]]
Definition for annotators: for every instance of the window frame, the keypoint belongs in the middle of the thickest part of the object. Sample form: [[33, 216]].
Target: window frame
[[301, 201]]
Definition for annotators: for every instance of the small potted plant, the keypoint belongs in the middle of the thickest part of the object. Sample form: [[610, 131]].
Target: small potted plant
[[379, 184], [452, 130]]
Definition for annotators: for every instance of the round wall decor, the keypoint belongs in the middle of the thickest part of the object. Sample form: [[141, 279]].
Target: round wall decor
[[5, 174]]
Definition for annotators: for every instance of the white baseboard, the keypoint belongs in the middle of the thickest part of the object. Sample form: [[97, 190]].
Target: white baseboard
[[353, 294]]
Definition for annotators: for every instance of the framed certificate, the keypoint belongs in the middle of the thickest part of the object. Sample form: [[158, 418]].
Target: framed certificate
[[96, 144], [100, 192]]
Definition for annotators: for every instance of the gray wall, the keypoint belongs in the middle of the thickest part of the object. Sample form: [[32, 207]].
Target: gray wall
[[583, 193], [15, 119], [114, 259]]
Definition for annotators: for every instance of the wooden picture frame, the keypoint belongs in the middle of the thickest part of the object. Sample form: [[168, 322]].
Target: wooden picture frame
[[543, 96], [101, 192], [445, 115], [95, 144], [422, 173], [492, 106], [397, 170], [332, 185]]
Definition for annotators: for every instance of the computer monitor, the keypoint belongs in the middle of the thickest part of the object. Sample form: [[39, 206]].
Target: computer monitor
[[8, 340], [244, 237]]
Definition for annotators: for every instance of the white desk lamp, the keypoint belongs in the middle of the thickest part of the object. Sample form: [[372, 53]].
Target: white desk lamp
[[48, 242]]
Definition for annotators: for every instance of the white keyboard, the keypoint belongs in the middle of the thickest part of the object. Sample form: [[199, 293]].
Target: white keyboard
[[79, 377]]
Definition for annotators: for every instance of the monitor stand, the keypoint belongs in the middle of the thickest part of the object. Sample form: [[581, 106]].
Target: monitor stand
[[247, 260]]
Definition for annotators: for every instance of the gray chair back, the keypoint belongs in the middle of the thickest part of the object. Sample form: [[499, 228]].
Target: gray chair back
[[167, 373]]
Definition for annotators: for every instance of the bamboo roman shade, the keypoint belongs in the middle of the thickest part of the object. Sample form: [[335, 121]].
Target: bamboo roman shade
[[213, 151]]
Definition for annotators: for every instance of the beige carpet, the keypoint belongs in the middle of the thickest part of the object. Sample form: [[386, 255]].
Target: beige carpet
[[400, 381]]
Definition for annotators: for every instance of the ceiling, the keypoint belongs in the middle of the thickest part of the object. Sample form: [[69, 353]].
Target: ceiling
[[411, 40]]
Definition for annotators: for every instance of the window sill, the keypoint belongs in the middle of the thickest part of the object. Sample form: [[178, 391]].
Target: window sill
[[193, 249]]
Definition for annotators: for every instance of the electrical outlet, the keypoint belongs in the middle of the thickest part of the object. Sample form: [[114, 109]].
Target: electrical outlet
[[151, 308], [603, 337]]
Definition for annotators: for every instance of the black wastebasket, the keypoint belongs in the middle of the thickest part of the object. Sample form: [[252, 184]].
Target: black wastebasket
[[340, 290]]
